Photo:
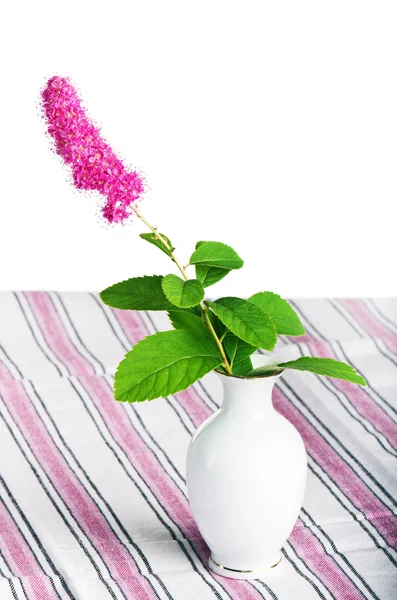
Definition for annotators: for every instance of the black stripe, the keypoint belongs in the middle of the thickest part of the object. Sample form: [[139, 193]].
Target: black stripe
[[351, 513], [362, 420], [63, 500], [128, 406], [45, 489], [337, 440], [34, 335], [215, 405], [343, 352], [373, 339], [318, 576], [10, 583], [138, 487], [364, 326], [94, 487], [11, 361], [37, 540], [297, 569], [13, 573], [343, 557], [76, 332], [340, 444], [127, 348], [305, 318], [339, 499], [267, 588], [28, 545], [62, 361], [381, 314], [332, 301], [108, 570], [211, 404], [386, 356], [155, 329], [325, 551], [104, 312]]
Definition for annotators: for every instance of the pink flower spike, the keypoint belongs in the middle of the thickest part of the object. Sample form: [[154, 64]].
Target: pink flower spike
[[94, 164]]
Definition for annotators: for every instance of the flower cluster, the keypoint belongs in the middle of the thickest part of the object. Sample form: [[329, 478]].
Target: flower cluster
[[94, 164]]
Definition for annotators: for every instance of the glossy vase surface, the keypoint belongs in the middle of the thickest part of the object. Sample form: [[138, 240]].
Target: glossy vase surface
[[246, 476]]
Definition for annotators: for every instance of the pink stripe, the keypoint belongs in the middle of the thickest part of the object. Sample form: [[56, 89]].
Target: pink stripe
[[339, 471], [194, 406], [120, 563], [55, 334], [358, 397], [309, 548], [132, 325], [21, 559], [370, 323], [142, 457], [40, 588], [135, 330]]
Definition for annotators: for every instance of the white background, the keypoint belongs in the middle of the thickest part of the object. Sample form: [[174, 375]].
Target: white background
[[271, 126]]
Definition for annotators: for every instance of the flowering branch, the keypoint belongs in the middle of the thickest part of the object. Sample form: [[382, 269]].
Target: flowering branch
[[169, 361]]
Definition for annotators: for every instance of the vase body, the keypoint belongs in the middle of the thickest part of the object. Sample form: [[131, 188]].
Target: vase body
[[246, 476]]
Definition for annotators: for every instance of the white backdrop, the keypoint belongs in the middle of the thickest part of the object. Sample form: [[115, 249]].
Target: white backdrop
[[271, 126]]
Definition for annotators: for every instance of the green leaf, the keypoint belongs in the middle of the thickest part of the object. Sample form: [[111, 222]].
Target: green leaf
[[139, 293], [189, 322], [265, 371], [325, 366], [246, 321], [216, 324], [153, 239], [216, 254], [210, 275], [182, 293], [236, 349], [281, 313], [163, 364], [242, 367]]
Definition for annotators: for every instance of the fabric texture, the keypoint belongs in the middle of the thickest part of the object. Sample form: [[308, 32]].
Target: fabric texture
[[93, 494]]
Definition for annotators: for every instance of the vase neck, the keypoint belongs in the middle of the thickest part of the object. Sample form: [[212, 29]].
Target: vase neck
[[248, 399]]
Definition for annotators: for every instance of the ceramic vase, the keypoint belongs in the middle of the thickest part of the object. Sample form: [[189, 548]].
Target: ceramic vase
[[246, 476]]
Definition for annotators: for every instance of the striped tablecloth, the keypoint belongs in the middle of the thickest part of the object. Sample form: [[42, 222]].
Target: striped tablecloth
[[93, 494]]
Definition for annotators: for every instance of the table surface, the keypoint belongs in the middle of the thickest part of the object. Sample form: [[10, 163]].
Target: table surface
[[93, 494]]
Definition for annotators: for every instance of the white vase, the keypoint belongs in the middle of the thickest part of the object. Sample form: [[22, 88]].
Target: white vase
[[246, 476]]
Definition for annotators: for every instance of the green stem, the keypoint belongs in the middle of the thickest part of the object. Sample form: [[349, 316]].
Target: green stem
[[226, 363], [182, 269]]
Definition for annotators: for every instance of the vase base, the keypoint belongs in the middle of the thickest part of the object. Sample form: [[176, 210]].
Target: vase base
[[243, 573]]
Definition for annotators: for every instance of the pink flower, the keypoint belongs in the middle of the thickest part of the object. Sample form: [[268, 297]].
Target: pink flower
[[94, 164]]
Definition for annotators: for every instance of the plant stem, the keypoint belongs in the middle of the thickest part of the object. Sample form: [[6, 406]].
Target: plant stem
[[166, 244], [226, 363], [182, 269]]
